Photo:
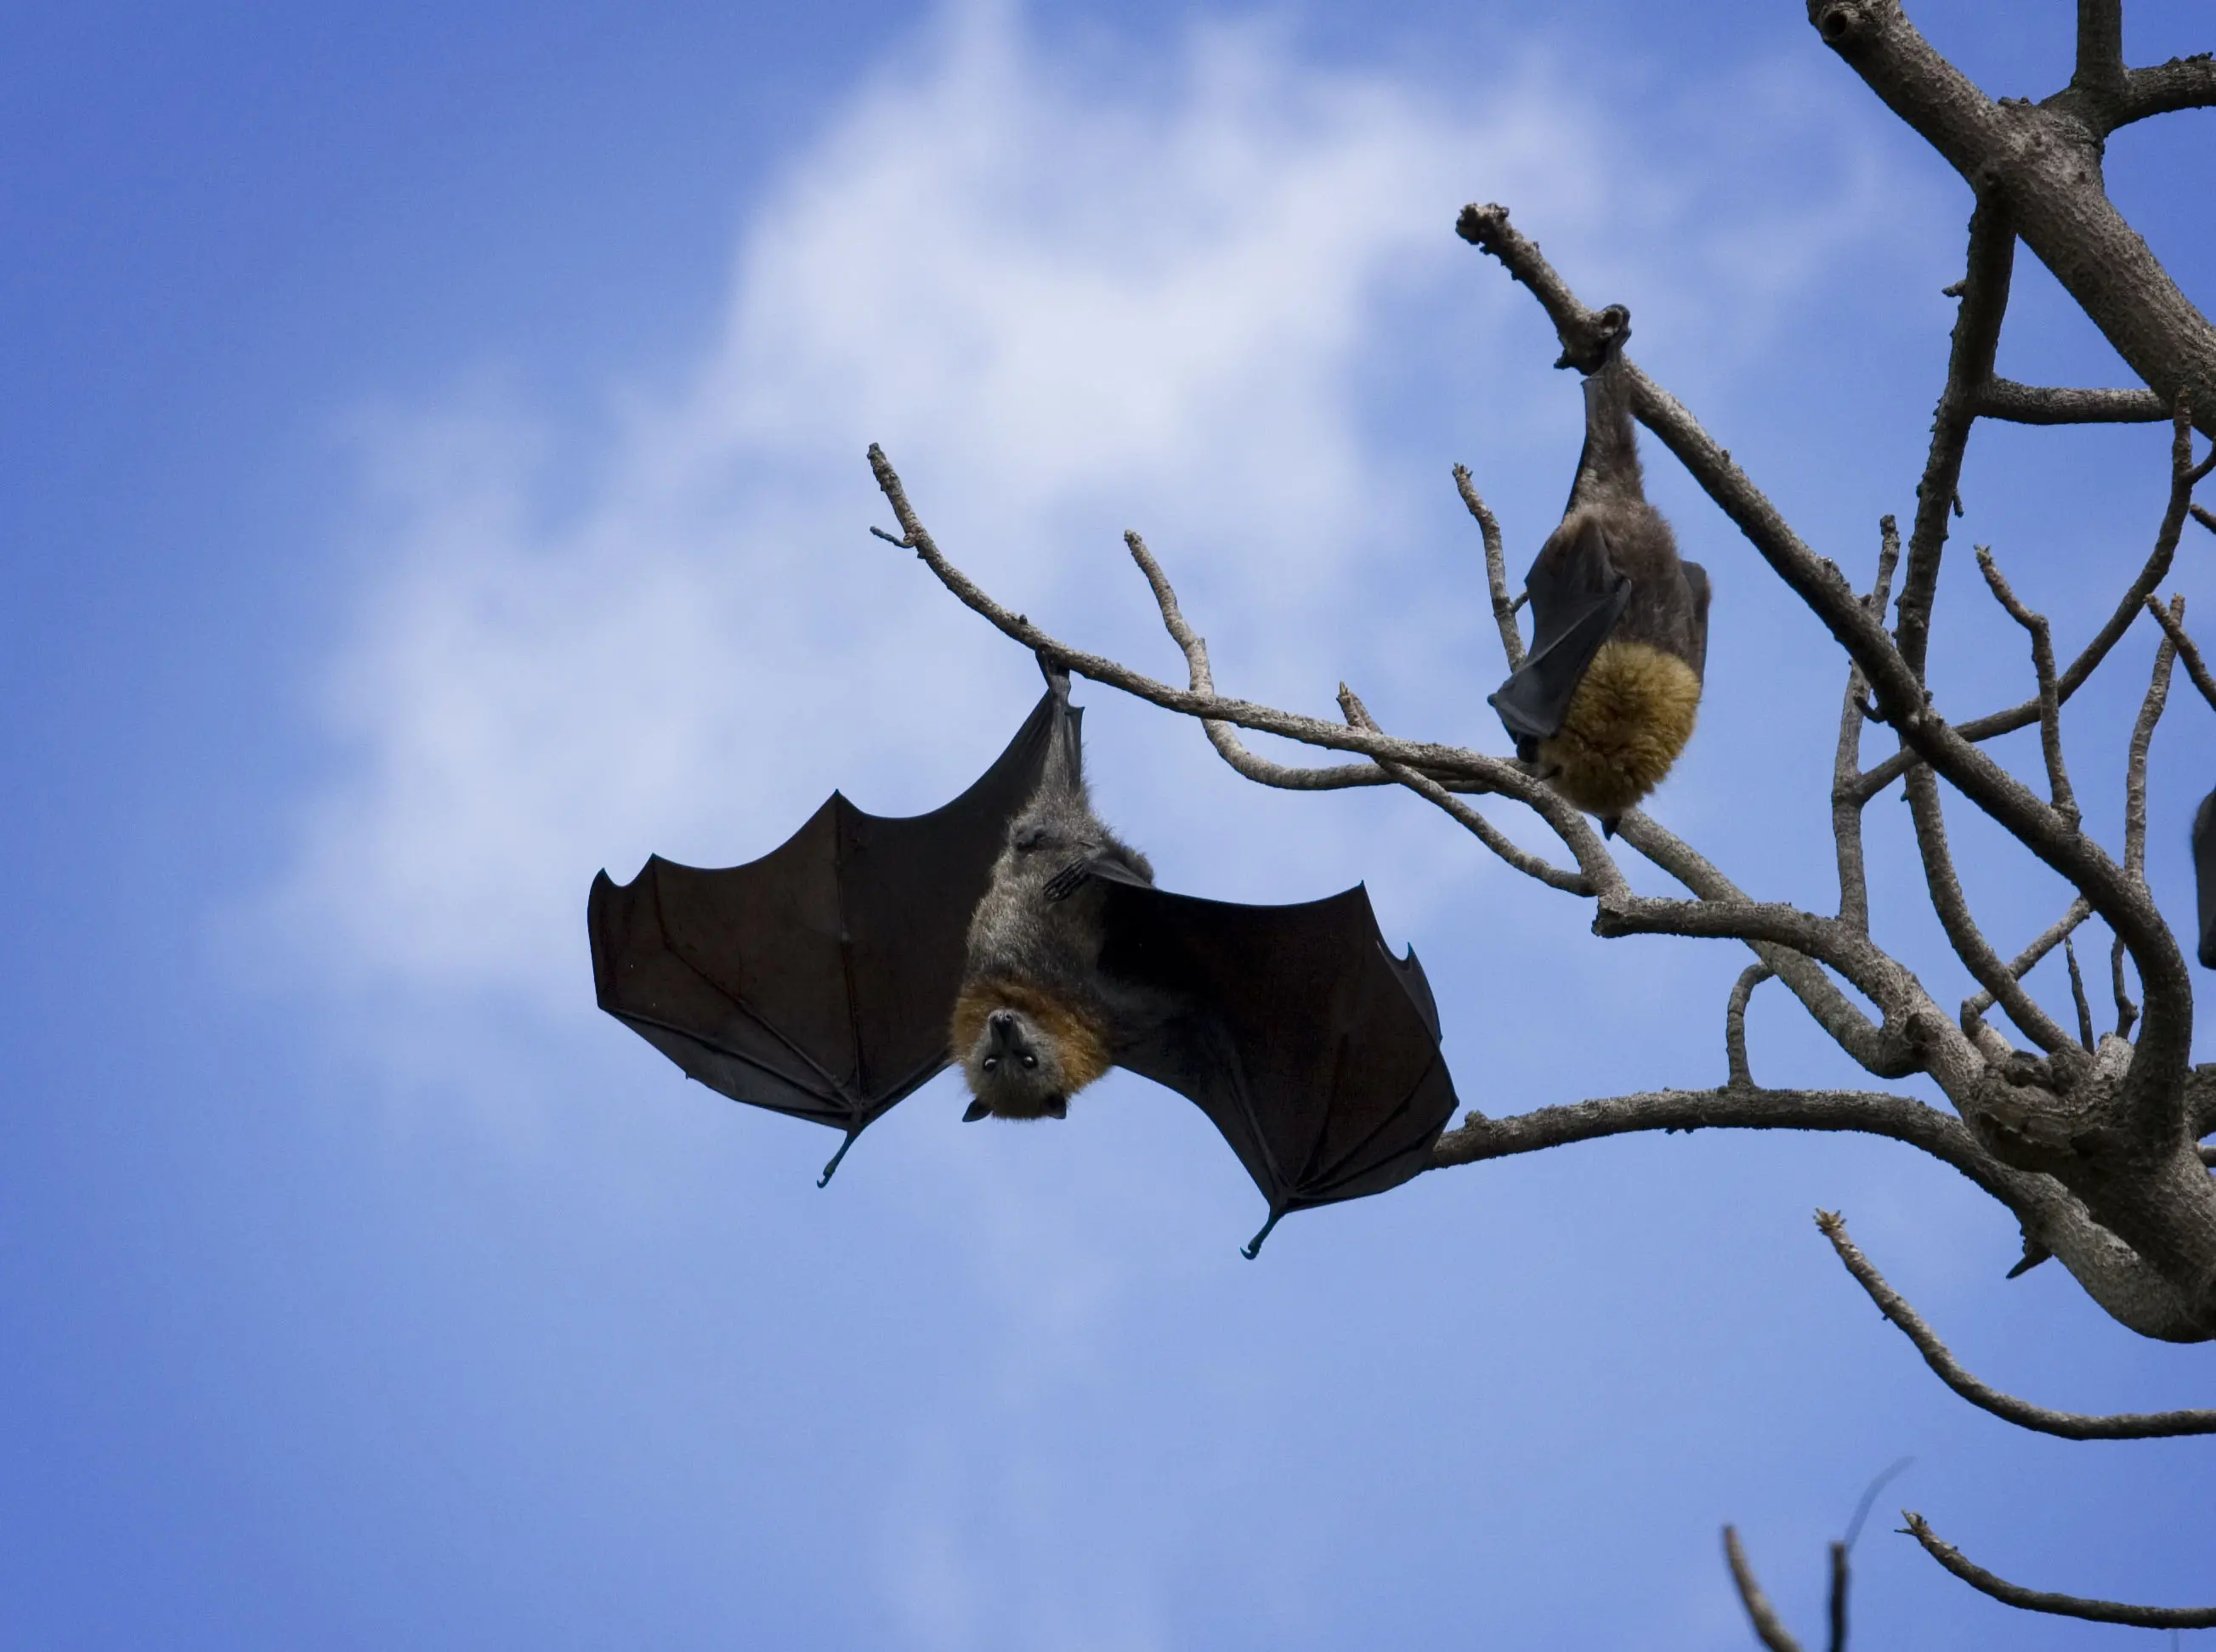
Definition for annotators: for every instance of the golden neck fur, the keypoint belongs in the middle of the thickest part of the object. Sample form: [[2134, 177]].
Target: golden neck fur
[[1079, 1037]]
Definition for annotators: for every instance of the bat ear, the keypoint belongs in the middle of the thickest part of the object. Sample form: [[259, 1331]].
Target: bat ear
[[977, 1111]]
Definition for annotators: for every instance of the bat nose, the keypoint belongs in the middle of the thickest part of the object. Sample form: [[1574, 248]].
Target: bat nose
[[1003, 1025]]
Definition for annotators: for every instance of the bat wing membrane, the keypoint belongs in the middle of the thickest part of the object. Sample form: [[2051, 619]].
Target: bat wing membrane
[[1578, 596], [1308, 1045], [819, 979]]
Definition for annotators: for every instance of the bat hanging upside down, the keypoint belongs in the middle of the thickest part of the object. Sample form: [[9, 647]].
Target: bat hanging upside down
[[1607, 697], [1011, 933]]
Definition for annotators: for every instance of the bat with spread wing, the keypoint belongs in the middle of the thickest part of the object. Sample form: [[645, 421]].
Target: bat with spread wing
[[1010, 932], [1606, 699]]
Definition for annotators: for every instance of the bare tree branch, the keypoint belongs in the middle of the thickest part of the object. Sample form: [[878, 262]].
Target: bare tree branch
[[1884, 1051], [2188, 654], [1424, 786], [1769, 1628], [1496, 568], [1742, 1077], [2069, 1425], [1220, 735], [1494, 774], [2158, 695], [1984, 296], [1847, 802], [2059, 1605], [2078, 995], [2183, 477], [2100, 46], [2128, 1010], [1902, 1118], [2050, 703], [2181, 83], [2021, 965], [2043, 161], [1961, 929], [2037, 404]]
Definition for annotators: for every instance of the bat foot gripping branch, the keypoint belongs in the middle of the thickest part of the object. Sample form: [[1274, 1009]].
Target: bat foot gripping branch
[[824, 1180], [1253, 1248]]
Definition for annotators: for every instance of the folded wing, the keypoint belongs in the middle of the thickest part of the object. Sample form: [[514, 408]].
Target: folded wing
[[1578, 596]]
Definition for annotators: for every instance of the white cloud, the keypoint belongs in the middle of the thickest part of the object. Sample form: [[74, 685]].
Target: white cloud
[[1057, 301]]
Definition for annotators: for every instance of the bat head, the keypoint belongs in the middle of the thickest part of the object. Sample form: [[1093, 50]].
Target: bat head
[[1024, 1053]]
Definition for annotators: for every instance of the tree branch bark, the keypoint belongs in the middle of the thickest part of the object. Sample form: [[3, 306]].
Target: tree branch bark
[[2044, 161], [2059, 1605], [2067, 1424]]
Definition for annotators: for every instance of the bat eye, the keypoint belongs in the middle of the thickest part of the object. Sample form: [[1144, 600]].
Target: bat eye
[[1030, 1060], [991, 1062]]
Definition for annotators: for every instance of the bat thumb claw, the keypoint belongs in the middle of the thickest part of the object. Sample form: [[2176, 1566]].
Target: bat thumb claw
[[824, 1180], [975, 1111], [1253, 1248]]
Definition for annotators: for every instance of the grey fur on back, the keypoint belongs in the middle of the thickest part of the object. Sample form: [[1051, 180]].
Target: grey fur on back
[[1668, 605], [1019, 934]]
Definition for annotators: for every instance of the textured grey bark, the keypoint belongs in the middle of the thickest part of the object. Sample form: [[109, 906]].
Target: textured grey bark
[[2040, 163]]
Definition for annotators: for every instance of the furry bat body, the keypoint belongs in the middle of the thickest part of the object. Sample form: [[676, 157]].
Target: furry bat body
[[1607, 699], [1034, 1020]]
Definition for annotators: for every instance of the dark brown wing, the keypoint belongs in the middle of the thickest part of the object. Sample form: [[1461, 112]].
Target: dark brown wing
[[1578, 596], [1311, 1047], [819, 979]]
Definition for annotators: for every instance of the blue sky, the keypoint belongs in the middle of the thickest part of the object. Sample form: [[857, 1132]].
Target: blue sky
[[433, 472]]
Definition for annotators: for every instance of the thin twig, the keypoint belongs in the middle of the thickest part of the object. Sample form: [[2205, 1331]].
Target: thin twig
[[2158, 695], [1495, 773], [1742, 1077], [1984, 295], [1846, 766], [1484, 831], [2184, 476], [2043, 665], [1769, 1628], [2069, 1425], [1229, 746], [2059, 1605], [2023, 964], [2078, 994], [1963, 934], [2188, 654], [1885, 1051], [1496, 568], [2128, 1011]]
